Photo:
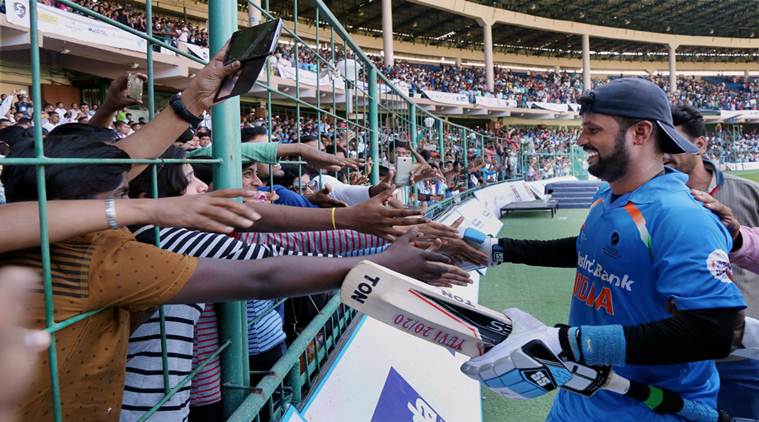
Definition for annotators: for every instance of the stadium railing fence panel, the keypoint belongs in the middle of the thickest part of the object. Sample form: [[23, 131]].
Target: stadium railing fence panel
[[360, 104]]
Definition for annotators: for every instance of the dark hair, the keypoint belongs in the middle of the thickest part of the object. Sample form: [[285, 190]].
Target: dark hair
[[16, 134], [66, 181], [83, 129], [627, 122], [171, 179], [308, 138], [251, 132], [119, 123], [690, 119], [391, 146], [24, 121]]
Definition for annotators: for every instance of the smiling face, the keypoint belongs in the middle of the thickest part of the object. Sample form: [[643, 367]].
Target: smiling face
[[606, 146]]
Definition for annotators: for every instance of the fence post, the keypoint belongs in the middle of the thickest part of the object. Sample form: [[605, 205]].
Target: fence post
[[222, 22], [374, 124], [441, 142]]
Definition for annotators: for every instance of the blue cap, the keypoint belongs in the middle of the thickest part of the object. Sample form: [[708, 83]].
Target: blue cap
[[638, 98]]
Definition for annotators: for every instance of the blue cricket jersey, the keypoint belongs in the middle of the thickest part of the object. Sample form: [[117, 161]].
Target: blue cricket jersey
[[648, 251]]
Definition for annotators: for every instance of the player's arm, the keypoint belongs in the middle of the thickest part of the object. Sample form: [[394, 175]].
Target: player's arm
[[544, 253], [296, 276]]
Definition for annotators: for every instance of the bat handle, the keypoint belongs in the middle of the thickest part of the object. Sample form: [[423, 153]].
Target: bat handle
[[664, 401]]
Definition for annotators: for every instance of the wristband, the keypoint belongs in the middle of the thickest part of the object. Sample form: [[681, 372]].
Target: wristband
[[182, 112], [110, 213], [334, 226]]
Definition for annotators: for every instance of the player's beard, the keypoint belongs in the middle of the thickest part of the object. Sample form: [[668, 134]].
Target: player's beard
[[612, 168]]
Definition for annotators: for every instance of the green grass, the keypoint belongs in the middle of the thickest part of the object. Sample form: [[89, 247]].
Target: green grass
[[543, 292], [748, 174]]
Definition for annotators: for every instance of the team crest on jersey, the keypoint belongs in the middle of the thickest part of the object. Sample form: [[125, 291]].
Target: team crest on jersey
[[719, 265]]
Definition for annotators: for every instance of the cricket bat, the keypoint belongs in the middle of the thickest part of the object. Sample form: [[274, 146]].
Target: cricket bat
[[428, 312]]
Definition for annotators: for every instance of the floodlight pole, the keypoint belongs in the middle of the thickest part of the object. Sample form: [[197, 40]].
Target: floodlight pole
[[387, 32], [672, 68], [586, 82]]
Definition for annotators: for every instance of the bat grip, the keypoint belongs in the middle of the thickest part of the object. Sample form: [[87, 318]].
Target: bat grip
[[665, 401]]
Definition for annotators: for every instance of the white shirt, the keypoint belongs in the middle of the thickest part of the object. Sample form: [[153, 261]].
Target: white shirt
[[350, 194]]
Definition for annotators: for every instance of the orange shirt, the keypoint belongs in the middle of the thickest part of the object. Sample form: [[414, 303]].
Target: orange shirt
[[107, 269]]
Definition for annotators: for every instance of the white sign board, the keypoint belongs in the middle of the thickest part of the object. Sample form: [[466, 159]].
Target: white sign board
[[447, 97], [70, 25]]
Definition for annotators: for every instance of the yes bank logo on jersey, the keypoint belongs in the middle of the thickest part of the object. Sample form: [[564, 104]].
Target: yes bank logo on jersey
[[718, 264], [400, 402]]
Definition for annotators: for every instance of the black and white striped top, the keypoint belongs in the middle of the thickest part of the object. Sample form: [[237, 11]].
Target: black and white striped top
[[144, 384]]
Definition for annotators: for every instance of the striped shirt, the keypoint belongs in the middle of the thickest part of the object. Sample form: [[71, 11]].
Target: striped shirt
[[336, 242], [143, 385]]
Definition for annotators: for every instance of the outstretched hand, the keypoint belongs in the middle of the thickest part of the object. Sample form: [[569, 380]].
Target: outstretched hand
[[322, 198], [375, 217], [422, 264], [214, 211], [199, 95]]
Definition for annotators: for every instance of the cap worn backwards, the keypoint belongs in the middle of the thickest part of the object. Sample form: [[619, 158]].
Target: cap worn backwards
[[638, 99]]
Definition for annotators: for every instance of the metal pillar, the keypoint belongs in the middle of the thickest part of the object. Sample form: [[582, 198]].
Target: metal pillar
[[387, 32], [586, 82], [487, 30], [374, 124], [441, 142], [672, 68], [254, 13], [412, 124], [222, 22], [149, 59]]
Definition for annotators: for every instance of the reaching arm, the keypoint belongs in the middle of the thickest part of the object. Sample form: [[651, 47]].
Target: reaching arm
[[66, 219], [115, 100], [368, 217], [153, 139], [223, 280], [543, 253]]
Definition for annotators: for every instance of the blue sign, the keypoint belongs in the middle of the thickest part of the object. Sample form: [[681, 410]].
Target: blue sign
[[399, 402]]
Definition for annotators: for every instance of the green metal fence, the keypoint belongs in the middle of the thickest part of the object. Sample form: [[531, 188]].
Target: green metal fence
[[367, 110]]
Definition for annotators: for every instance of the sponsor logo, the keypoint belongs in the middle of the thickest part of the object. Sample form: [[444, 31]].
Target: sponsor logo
[[399, 401], [718, 264], [611, 248], [364, 289], [614, 239], [598, 271], [19, 10]]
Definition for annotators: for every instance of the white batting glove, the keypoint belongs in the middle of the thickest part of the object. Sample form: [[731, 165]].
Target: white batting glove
[[525, 365]]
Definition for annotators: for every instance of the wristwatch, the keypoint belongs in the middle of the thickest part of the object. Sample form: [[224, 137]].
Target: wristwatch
[[179, 108]]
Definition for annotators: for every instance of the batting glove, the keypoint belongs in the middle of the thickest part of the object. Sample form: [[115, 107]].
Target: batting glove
[[525, 365]]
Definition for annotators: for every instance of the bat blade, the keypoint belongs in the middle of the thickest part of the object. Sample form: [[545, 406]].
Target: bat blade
[[430, 313]]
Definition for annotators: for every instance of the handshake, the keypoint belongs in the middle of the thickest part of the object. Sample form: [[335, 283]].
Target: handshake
[[488, 245]]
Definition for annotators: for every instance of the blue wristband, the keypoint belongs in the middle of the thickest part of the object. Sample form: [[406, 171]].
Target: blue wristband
[[603, 344]]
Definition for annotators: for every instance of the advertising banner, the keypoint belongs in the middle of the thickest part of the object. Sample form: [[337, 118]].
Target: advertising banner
[[447, 97], [70, 25]]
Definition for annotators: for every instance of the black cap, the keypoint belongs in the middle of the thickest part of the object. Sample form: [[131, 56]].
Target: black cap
[[638, 98]]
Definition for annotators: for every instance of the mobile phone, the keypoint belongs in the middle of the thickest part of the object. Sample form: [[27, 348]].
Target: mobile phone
[[134, 86], [403, 168]]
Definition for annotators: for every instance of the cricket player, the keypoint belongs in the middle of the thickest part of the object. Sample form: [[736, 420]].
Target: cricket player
[[652, 295]]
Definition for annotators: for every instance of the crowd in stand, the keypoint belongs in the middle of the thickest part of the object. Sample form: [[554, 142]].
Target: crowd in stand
[[281, 242], [172, 29]]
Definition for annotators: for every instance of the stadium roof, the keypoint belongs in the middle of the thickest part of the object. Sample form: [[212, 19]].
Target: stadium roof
[[421, 24]]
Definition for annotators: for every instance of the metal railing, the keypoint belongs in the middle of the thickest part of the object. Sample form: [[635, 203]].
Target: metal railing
[[367, 110]]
